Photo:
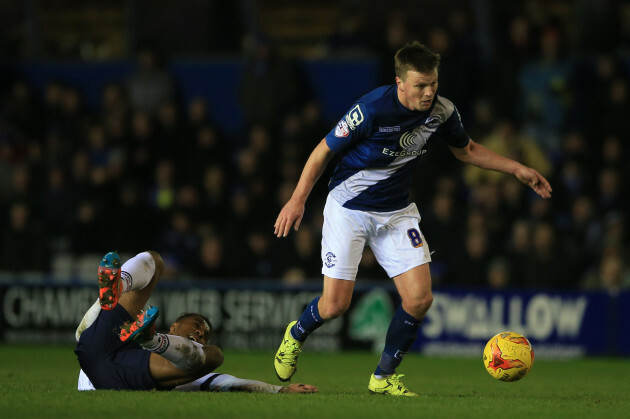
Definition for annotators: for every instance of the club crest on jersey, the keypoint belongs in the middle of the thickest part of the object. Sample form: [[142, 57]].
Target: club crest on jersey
[[413, 140], [330, 260], [407, 140], [354, 117], [342, 130]]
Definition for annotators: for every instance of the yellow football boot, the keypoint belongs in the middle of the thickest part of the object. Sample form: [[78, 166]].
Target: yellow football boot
[[391, 386], [285, 361]]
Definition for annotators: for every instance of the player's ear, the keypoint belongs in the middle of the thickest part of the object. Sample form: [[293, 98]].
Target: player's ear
[[399, 82], [173, 328]]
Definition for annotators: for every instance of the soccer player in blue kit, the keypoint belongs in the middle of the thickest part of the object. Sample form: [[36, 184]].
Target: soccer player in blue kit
[[381, 139]]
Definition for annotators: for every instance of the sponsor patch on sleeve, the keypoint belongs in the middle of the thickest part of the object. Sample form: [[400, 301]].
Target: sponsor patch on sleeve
[[342, 130], [354, 117]]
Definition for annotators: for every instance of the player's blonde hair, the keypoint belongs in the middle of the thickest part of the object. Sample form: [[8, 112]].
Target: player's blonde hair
[[416, 57]]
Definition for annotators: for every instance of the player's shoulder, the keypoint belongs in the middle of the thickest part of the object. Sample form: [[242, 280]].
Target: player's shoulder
[[444, 107], [365, 110], [377, 103], [378, 98], [444, 103]]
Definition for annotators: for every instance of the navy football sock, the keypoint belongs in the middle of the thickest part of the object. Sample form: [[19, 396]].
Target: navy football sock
[[308, 322], [401, 334]]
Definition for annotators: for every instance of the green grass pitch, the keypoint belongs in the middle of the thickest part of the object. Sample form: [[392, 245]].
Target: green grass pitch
[[40, 381]]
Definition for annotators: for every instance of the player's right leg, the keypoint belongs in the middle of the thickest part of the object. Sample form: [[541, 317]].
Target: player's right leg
[[343, 240], [335, 300]]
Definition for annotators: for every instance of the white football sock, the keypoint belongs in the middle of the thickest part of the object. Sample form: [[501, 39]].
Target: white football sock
[[88, 318], [135, 274], [184, 353]]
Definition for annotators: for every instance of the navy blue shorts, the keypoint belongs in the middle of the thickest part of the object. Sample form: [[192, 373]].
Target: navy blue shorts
[[110, 363]]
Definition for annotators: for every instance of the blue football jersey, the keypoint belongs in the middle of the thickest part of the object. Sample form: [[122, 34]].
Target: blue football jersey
[[380, 141]]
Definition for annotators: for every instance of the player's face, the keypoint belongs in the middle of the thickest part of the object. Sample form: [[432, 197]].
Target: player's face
[[193, 327], [416, 90]]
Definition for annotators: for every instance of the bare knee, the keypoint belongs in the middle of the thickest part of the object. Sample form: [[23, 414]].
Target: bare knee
[[419, 305], [332, 309]]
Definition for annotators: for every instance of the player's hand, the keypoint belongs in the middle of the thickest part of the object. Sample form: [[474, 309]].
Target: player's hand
[[299, 388], [291, 215], [534, 180]]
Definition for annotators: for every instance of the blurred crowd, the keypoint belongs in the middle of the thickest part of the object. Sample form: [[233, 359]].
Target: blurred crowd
[[148, 171]]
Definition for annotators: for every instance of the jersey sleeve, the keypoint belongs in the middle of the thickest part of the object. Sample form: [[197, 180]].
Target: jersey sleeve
[[354, 126], [453, 132]]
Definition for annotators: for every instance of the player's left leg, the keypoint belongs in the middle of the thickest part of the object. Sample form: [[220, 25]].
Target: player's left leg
[[401, 250], [414, 287], [343, 240]]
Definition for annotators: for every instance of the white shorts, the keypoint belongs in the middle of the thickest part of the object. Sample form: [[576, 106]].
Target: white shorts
[[394, 237]]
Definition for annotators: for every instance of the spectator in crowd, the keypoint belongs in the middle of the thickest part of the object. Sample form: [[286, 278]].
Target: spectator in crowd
[[471, 268], [268, 86], [396, 33], [141, 148], [498, 274], [170, 133], [515, 46], [23, 112], [301, 257], [612, 276], [179, 244], [214, 194], [114, 101], [547, 266], [150, 85], [211, 262], [440, 223], [22, 247], [132, 217], [58, 198], [545, 90], [508, 140], [517, 251]]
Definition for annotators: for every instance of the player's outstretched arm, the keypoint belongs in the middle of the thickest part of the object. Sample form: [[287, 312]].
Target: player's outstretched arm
[[215, 382], [482, 157], [293, 211]]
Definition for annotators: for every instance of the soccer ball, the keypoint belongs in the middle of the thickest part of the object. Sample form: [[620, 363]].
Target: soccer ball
[[508, 356]]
